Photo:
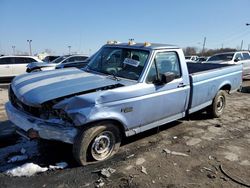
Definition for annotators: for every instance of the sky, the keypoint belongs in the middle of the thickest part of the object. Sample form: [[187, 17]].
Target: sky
[[87, 25]]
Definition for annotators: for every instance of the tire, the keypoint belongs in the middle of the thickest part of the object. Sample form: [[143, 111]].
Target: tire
[[216, 109], [87, 146]]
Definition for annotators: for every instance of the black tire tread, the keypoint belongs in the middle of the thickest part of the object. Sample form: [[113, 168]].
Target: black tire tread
[[85, 137], [212, 108]]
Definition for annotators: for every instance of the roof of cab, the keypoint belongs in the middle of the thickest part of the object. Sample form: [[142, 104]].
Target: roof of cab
[[151, 46]]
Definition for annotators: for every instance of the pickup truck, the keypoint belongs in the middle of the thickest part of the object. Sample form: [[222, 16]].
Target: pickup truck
[[125, 89]]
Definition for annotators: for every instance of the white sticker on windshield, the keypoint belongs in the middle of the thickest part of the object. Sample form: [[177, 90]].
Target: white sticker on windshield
[[131, 62]]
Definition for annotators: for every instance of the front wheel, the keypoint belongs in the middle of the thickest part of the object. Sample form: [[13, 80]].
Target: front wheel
[[97, 143], [216, 109]]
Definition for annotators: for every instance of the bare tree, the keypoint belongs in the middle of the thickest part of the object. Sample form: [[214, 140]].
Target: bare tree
[[190, 50], [210, 52]]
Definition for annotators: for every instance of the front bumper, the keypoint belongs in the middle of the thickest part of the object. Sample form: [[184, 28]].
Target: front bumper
[[46, 130]]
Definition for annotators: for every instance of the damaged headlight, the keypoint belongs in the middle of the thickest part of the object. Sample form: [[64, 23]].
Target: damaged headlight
[[60, 113], [47, 112]]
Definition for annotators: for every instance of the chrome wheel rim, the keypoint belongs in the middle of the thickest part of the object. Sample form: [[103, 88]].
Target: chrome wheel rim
[[102, 146], [220, 103]]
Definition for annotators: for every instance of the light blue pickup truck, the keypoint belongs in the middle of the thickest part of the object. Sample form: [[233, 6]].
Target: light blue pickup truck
[[126, 88]]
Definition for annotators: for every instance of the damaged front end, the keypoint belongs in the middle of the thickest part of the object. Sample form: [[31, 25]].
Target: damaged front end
[[44, 112], [33, 127], [55, 119]]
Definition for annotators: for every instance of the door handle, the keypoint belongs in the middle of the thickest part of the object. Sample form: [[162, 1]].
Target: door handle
[[181, 85]]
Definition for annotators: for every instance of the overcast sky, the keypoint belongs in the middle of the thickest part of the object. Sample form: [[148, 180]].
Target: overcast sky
[[87, 25]]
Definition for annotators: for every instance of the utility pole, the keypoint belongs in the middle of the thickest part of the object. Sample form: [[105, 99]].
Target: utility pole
[[69, 49], [241, 45], [222, 46], [29, 41], [203, 47], [248, 24], [13, 47]]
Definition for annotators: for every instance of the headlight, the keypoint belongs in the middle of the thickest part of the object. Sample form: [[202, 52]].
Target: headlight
[[63, 115]]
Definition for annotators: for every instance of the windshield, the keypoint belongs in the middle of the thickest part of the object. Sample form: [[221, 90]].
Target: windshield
[[59, 59], [222, 57], [121, 62]]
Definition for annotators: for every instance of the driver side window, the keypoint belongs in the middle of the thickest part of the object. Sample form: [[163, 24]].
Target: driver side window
[[238, 56], [164, 62]]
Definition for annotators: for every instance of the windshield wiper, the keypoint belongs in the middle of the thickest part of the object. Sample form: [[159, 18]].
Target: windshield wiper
[[109, 75], [113, 76]]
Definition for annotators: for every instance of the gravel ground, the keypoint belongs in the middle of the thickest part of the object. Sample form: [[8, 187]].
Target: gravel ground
[[185, 153]]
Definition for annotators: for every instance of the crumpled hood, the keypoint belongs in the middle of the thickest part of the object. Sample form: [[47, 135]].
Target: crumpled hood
[[40, 65], [36, 88]]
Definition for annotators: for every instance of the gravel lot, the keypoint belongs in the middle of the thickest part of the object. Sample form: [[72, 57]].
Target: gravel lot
[[186, 153]]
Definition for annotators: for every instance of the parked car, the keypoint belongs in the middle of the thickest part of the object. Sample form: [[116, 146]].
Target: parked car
[[50, 58], [11, 66], [240, 57], [125, 89], [191, 58], [201, 59], [35, 67], [76, 64]]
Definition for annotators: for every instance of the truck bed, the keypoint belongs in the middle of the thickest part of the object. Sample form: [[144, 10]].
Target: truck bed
[[207, 79], [194, 68]]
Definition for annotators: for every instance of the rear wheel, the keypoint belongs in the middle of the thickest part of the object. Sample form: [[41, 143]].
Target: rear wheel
[[216, 109], [97, 143]]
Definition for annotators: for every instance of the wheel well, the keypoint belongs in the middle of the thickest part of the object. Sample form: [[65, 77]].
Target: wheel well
[[226, 88], [115, 122]]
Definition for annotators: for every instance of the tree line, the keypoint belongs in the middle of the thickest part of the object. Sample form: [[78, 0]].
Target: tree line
[[207, 52]]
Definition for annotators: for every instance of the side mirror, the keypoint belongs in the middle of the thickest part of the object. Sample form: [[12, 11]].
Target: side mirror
[[165, 78], [237, 59]]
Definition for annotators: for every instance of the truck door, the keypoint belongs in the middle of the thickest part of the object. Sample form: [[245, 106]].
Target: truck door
[[6, 67], [165, 102]]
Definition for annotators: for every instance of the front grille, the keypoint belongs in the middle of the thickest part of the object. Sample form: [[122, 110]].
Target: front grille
[[21, 106]]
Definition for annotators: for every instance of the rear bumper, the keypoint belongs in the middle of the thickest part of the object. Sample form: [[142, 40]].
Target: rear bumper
[[45, 130]]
